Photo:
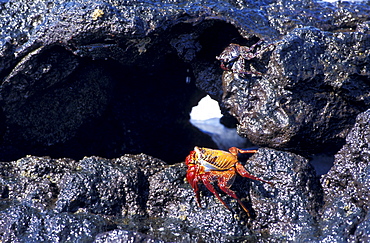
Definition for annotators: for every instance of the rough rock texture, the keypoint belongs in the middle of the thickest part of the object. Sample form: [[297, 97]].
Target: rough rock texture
[[112, 77], [346, 214], [138, 197], [49, 200], [64, 200], [106, 78], [312, 87], [124, 236], [20, 223]]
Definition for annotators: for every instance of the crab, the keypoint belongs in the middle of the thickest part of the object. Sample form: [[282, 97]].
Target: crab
[[210, 165], [234, 56]]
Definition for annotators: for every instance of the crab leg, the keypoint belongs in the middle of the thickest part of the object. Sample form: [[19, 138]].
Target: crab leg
[[197, 195], [225, 183], [206, 178], [243, 172], [235, 151], [209, 166]]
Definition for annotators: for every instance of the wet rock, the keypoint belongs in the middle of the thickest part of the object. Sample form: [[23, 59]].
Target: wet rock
[[181, 218], [139, 197], [312, 86], [286, 211], [19, 223], [334, 17], [33, 180], [345, 216], [106, 78], [41, 195], [289, 210], [105, 187], [124, 236], [82, 78]]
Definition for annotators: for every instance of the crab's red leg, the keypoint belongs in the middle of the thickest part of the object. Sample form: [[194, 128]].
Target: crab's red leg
[[206, 178], [225, 182], [235, 151], [197, 196], [242, 171]]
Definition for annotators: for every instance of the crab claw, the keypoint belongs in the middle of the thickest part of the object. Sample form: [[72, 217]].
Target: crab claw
[[190, 158], [192, 174], [193, 179]]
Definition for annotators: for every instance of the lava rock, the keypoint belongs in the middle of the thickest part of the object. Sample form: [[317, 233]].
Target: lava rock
[[287, 210], [107, 78], [125, 236], [345, 216], [309, 95], [140, 197], [50, 200], [82, 78], [19, 223]]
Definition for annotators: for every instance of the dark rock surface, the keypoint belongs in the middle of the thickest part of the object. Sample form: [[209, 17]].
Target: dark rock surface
[[125, 236], [106, 78], [345, 216], [140, 197], [20, 223], [113, 78], [310, 91]]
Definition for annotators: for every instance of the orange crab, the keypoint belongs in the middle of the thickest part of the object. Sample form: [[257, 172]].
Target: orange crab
[[209, 165]]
